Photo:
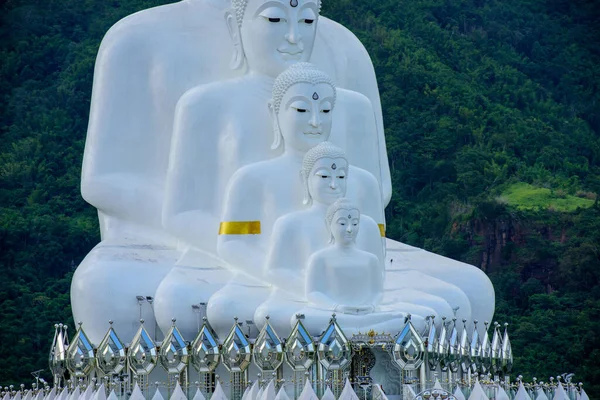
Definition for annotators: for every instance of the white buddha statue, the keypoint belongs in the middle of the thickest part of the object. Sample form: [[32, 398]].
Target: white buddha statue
[[296, 236], [146, 62], [348, 281], [302, 106], [229, 125]]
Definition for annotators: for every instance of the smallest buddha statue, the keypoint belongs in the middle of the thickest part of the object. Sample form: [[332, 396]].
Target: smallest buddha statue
[[346, 280]]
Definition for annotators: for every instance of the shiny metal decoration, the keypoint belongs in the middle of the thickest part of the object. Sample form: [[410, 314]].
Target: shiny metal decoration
[[205, 349], [433, 357], [453, 349], [110, 356], [142, 355], [300, 348], [236, 350], [173, 354], [442, 346], [475, 350], [506, 354], [464, 349], [80, 355], [496, 350], [268, 349], [334, 350], [485, 351], [409, 348], [58, 352]]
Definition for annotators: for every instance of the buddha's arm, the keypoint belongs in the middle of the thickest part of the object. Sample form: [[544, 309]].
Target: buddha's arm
[[370, 239], [376, 280], [361, 78], [316, 287], [240, 232], [122, 163], [190, 212], [365, 190], [282, 268], [362, 138]]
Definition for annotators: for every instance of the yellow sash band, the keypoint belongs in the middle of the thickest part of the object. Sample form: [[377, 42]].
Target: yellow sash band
[[240, 228], [382, 229]]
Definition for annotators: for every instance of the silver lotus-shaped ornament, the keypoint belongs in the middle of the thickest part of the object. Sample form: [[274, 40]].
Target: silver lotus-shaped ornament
[[110, 356], [142, 354], [236, 350], [205, 349], [268, 349], [409, 348], [334, 350], [173, 354], [80, 355], [300, 348]]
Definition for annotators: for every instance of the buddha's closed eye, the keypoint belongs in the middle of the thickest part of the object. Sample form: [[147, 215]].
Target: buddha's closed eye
[[274, 19]]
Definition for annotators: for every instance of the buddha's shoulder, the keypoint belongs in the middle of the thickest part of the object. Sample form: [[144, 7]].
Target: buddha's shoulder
[[364, 177], [221, 94], [255, 175], [296, 220], [336, 33], [162, 21], [352, 98]]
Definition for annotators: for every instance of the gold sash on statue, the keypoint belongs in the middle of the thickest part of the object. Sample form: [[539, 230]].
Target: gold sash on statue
[[240, 228]]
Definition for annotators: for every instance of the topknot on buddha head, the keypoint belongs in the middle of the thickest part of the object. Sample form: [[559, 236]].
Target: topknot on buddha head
[[302, 72], [239, 7]]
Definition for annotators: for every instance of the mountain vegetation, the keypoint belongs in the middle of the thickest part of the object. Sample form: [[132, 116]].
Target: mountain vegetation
[[492, 115]]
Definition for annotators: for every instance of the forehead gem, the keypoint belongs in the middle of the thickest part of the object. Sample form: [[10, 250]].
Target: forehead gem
[[294, 3], [349, 216], [315, 96], [333, 166]]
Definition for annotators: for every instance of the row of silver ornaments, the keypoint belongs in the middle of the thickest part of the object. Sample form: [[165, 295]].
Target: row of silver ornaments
[[333, 350]]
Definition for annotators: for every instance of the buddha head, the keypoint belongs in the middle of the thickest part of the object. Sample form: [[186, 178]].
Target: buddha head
[[301, 107], [324, 174], [270, 35], [342, 220]]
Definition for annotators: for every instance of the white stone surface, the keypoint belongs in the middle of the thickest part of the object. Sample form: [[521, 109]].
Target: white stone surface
[[178, 143]]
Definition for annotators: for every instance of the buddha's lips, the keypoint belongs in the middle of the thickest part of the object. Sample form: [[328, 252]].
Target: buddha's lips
[[313, 133], [296, 55]]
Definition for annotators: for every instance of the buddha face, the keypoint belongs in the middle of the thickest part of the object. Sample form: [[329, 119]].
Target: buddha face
[[277, 33], [304, 117], [344, 226], [327, 180]]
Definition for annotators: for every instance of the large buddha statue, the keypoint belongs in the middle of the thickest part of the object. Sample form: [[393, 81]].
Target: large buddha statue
[[229, 124], [302, 105], [150, 146], [348, 281], [298, 235]]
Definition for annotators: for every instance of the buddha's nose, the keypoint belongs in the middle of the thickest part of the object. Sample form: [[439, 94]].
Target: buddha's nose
[[315, 121], [349, 228], [293, 35], [332, 184]]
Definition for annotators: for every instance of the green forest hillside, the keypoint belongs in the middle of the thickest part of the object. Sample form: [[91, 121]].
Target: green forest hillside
[[492, 115]]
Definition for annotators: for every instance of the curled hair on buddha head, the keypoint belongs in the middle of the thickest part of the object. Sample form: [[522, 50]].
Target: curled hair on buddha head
[[340, 204], [302, 72], [239, 8], [322, 150]]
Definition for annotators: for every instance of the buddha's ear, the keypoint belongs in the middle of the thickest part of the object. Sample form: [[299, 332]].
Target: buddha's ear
[[237, 59], [277, 138], [307, 200]]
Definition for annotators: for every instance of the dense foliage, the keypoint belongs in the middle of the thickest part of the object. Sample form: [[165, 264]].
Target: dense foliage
[[492, 113]]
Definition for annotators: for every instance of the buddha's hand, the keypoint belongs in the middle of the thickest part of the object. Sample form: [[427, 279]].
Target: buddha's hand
[[356, 310]]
